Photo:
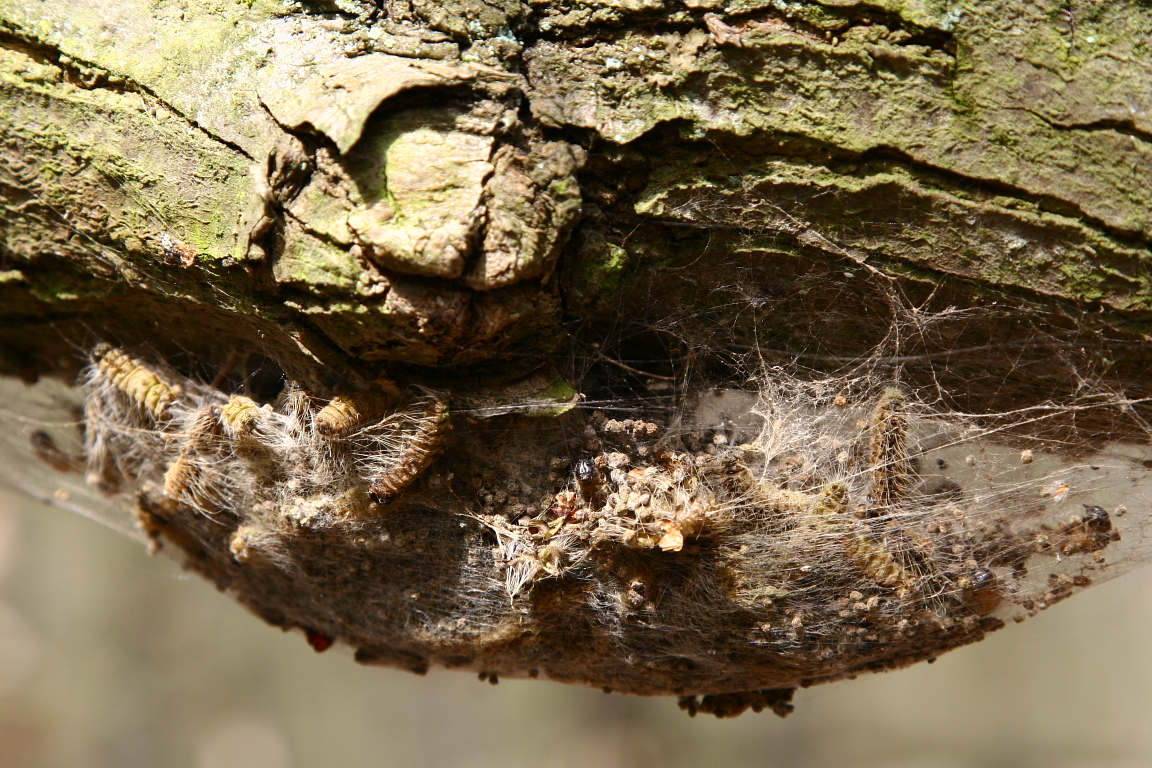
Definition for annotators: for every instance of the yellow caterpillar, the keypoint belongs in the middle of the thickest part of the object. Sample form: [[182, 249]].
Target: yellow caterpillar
[[239, 415], [135, 380], [346, 411]]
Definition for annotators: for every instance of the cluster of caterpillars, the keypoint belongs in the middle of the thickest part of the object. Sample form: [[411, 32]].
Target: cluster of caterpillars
[[814, 550], [346, 458]]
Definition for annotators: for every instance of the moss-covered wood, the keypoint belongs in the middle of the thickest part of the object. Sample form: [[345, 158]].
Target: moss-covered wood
[[317, 160]]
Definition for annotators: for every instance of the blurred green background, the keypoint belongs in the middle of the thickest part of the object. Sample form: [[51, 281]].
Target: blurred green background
[[111, 658]]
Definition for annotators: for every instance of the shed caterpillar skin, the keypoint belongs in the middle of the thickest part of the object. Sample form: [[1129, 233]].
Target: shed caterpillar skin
[[422, 449], [135, 380]]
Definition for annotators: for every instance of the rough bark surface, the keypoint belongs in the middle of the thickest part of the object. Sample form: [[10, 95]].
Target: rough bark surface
[[516, 201]]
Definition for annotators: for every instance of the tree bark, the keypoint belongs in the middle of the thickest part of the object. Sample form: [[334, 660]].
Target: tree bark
[[522, 203]]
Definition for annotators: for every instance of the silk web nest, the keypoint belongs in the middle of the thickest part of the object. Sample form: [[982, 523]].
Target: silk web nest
[[741, 545]]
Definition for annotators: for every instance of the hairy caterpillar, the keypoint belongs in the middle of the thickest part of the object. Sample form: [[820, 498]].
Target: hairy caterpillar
[[183, 478], [346, 411], [239, 416], [422, 448], [135, 380], [891, 471], [877, 562], [831, 508]]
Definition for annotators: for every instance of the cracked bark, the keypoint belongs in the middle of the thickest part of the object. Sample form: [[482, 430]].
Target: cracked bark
[[469, 195]]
